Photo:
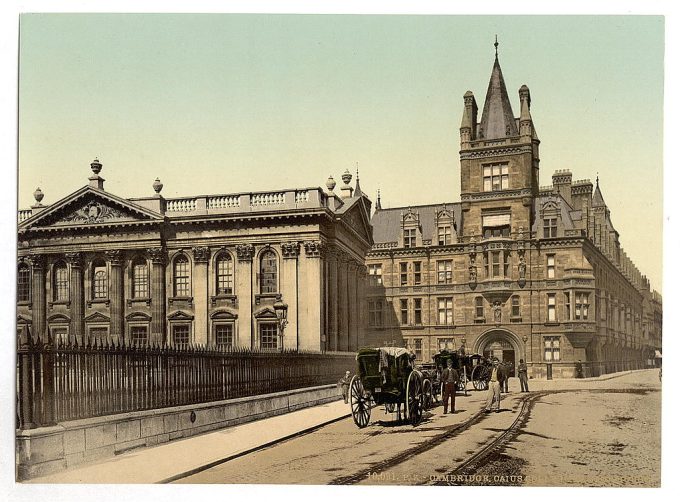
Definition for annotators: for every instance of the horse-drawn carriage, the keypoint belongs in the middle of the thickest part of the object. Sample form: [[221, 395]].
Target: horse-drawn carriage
[[387, 376], [473, 368]]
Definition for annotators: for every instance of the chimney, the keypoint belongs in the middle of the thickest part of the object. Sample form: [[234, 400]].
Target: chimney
[[561, 180]]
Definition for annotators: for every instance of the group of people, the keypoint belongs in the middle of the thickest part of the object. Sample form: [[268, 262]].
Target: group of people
[[449, 378]]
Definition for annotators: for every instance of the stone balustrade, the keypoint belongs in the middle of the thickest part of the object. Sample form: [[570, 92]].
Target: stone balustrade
[[24, 214]]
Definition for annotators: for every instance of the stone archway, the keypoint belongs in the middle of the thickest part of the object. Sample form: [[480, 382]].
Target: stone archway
[[500, 343]]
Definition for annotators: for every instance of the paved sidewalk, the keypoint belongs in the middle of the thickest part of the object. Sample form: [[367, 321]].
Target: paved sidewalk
[[164, 462]]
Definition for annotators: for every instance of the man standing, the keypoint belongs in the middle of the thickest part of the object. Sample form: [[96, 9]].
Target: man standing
[[522, 370], [344, 385], [503, 375], [494, 395], [449, 384]]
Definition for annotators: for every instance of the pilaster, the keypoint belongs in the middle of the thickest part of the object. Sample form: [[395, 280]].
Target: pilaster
[[244, 294], [117, 331], [77, 297], [291, 292], [38, 294], [200, 292], [158, 300]]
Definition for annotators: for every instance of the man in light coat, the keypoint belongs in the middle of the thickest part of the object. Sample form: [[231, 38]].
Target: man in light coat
[[494, 394]]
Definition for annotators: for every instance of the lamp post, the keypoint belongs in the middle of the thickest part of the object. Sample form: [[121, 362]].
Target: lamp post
[[281, 310]]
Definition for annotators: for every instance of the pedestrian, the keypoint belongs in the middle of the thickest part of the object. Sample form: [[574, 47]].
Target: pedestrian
[[449, 384], [344, 385], [494, 395], [503, 375], [522, 371]]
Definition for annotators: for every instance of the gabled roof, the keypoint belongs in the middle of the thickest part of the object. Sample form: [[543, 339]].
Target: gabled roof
[[89, 206], [356, 213], [387, 222], [498, 121]]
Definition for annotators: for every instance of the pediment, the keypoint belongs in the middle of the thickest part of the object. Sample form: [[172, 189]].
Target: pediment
[[265, 313], [89, 207], [138, 316], [550, 206], [224, 314], [24, 319], [58, 318], [357, 217], [179, 315], [97, 317]]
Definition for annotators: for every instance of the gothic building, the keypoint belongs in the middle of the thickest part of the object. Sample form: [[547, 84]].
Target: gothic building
[[512, 270], [202, 270]]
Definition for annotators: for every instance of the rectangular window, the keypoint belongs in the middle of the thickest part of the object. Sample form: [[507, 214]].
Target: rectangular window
[[24, 284], [140, 279], [445, 311], [403, 308], [138, 335], [182, 286], [225, 276], [403, 274], [446, 344], [444, 235], [417, 274], [180, 335], [496, 177], [515, 306], [418, 348], [409, 237], [495, 263], [61, 283], [479, 307], [268, 336], [98, 333], [224, 335], [59, 334], [550, 264], [552, 316], [502, 231], [582, 304], [375, 313], [418, 310], [567, 305], [445, 272], [549, 227], [551, 348], [375, 274]]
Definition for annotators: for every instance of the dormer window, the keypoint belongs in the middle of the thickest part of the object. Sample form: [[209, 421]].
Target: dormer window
[[409, 237], [444, 235], [549, 227], [496, 177]]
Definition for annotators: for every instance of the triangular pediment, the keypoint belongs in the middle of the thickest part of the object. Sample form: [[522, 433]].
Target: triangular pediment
[[89, 207], [357, 217], [97, 317], [265, 313], [178, 315]]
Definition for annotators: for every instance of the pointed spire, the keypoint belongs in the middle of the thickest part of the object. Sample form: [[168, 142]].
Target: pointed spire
[[357, 188], [496, 46], [598, 200], [498, 120]]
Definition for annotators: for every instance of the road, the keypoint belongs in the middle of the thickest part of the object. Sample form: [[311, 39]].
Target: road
[[564, 433]]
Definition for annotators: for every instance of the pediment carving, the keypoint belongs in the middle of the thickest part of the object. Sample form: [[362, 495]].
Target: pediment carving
[[178, 315], [97, 317]]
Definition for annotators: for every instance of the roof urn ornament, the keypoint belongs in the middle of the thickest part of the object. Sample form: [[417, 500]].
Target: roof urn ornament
[[38, 195], [346, 177], [330, 184], [157, 186], [96, 166]]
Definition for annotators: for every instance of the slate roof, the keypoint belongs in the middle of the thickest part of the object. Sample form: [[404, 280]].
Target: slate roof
[[387, 222], [498, 121]]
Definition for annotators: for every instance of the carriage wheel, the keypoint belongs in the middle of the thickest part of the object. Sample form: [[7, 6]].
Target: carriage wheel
[[359, 402], [414, 398], [480, 377], [389, 407], [427, 394]]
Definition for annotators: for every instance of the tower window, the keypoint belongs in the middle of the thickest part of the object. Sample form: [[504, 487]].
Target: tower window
[[496, 177], [445, 272]]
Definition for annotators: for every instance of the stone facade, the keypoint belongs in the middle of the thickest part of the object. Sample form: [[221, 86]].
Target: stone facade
[[512, 270], [196, 270]]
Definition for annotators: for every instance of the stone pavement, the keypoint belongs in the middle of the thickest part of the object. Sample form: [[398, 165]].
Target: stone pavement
[[178, 458]]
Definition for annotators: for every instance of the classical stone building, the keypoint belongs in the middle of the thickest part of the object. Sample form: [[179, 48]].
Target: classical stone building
[[196, 270], [512, 270]]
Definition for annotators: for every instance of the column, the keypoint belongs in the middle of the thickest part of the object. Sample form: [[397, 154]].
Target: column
[[38, 296], [363, 307], [290, 292], [309, 302], [352, 310], [76, 294], [201, 297], [117, 332], [158, 300], [332, 301], [343, 338], [244, 294]]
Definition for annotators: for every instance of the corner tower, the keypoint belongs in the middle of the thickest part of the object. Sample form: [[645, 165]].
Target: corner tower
[[499, 162]]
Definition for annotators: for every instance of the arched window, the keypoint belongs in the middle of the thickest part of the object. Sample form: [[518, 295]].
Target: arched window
[[100, 283], [268, 272], [140, 278], [181, 276], [224, 269], [23, 283], [60, 286]]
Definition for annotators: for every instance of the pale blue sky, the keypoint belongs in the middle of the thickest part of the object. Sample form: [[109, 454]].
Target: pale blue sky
[[227, 103]]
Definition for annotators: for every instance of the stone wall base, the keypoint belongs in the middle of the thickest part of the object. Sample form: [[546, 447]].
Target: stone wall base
[[47, 450]]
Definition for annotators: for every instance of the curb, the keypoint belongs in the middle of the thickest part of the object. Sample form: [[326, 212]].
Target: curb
[[215, 463]]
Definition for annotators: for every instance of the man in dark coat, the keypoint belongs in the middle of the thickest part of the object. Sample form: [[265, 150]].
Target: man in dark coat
[[503, 375], [450, 379], [522, 372]]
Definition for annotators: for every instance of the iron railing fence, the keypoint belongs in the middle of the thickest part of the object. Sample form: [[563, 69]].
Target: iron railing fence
[[66, 381]]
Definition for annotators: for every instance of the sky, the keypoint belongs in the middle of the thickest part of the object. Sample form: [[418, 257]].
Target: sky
[[228, 103]]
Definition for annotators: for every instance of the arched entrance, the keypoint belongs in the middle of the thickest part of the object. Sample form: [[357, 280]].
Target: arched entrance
[[501, 344]]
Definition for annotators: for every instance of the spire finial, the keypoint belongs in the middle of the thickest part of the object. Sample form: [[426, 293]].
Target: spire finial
[[597, 179], [496, 46]]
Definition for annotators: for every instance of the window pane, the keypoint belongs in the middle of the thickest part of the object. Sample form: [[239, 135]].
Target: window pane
[[225, 275], [140, 274], [138, 335], [99, 282], [24, 283], [224, 335], [60, 282], [268, 277], [181, 273], [268, 336], [487, 171], [180, 335]]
